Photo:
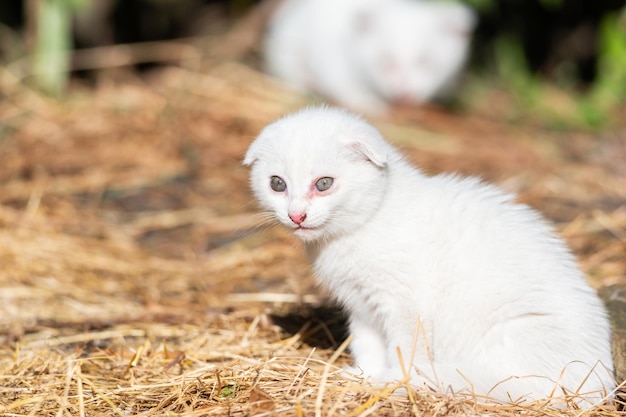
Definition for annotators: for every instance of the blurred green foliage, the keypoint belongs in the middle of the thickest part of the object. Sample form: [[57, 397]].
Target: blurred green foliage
[[52, 43], [610, 87], [534, 96], [508, 68]]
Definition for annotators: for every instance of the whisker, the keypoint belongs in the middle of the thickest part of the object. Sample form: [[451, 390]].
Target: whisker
[[262, 221]]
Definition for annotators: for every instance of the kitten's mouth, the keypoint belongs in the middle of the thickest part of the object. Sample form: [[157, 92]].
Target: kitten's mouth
[[306, 234], [300, 227], [305, 231], [302, 230]]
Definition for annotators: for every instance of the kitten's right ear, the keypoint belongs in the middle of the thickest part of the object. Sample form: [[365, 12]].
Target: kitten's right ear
[[252, 154]]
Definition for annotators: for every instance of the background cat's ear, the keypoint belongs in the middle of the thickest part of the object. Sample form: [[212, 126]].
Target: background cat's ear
[[363, 21], [458, 18], [374, 154]]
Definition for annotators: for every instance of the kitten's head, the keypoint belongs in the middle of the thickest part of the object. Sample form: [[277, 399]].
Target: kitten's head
[[322, 172], [411, 51]]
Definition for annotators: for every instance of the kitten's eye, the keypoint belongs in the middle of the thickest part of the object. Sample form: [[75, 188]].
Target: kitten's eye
[[323, 184], [278, 184]]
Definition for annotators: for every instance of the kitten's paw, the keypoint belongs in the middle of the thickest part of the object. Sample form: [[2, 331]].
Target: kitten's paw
[[354, 373], [414, 380]]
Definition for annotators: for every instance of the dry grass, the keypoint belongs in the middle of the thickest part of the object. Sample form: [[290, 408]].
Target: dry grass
[[134, 279]]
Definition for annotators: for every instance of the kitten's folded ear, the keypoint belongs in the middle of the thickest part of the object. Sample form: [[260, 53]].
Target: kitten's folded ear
[[252, 154], [367, 143], [260, 144], [375, 154]]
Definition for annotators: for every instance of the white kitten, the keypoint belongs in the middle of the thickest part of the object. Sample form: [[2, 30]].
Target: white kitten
[[366, 53], [477, 291]]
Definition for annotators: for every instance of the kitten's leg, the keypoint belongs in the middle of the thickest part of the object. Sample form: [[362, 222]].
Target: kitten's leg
[[367, 348], [441, 377], [493, 381], [408, 348]]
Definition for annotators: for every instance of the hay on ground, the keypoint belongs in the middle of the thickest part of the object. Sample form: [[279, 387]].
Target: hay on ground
[[135, 279]]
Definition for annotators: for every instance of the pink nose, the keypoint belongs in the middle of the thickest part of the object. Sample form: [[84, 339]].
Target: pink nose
[[297, 218]]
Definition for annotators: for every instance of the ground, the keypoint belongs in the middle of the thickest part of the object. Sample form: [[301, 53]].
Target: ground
[[135, 278]]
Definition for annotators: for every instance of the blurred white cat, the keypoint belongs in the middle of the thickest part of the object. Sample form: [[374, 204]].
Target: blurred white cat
[[479, 294], [366, 54]]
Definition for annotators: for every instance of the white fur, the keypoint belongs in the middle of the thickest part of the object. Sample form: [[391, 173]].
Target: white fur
[[367, 53], [479, 287]]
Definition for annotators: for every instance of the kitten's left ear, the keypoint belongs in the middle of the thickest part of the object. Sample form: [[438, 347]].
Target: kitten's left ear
[[375, 154], [367, 143]]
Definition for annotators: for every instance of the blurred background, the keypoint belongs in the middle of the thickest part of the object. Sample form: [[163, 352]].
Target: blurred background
[[561, 63]]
